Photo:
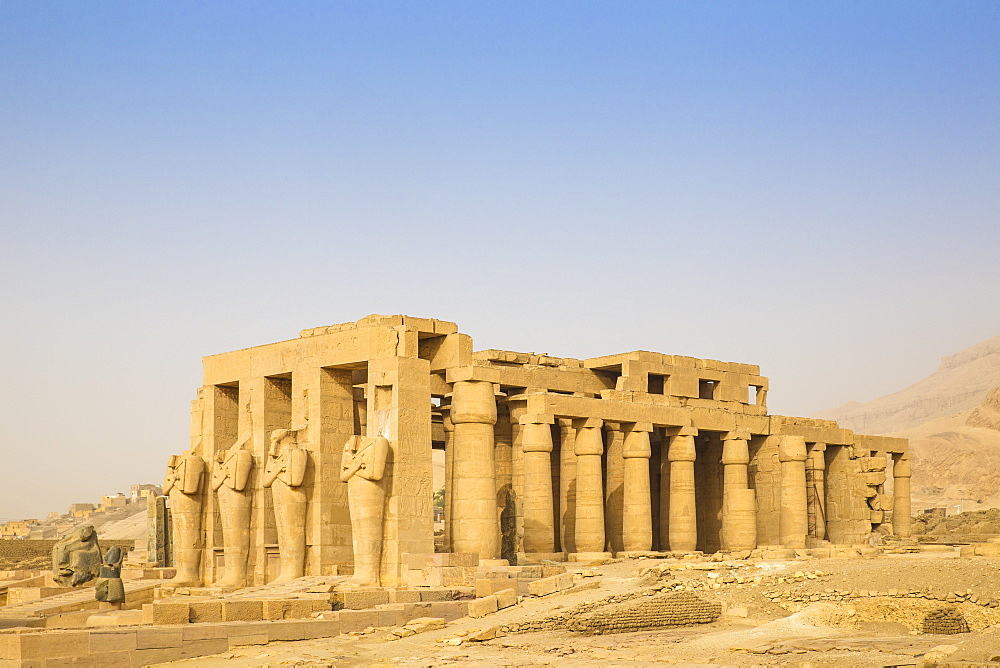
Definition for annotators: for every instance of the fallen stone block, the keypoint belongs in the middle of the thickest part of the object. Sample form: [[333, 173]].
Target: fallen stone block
[[506, 598], [481, 607], [550, 585], [421, 624]]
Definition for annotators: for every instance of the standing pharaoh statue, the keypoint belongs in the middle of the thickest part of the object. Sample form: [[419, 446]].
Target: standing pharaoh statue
[[362, 467], [183, 485], [286, 468], [229, 481]]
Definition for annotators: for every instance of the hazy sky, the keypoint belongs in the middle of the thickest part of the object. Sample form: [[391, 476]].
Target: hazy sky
[[811, 187]]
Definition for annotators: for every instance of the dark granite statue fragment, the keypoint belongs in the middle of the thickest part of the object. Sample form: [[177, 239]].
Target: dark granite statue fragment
[[76, 558]]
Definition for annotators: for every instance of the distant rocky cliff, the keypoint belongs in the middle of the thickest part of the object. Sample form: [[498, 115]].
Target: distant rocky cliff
[[961, 382], [952, 419]]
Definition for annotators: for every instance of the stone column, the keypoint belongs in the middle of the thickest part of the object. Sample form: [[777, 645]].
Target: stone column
[[739, 503], [901, 517], [637, 515], [589, 488], [683, 521], [476, 524], [567, 485], [614, 479], [449, 475], [816, 485], [793, 522], [539, 515]]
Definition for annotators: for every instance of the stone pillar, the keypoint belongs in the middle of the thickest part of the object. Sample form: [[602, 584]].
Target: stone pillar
[[794, 517], [637, 516], [589, 488], [476, 523], [683, 521], [184, 486], [539, 515], [901, 517], [567, 485], [614, 477], [816, 486], [449, 475], [739, 503]]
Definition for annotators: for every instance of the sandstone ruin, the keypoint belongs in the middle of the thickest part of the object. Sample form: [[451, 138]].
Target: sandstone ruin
[[546, 458]]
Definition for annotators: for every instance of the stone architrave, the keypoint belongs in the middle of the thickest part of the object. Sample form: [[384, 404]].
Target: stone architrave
[[793, 520], [739, 504], [590, 537], [184, 486], [475, 525], [637, 515], [901, 519], [362, 467], [284, 474], [76, 558], [683, 521], [539, 513], [229, 481]]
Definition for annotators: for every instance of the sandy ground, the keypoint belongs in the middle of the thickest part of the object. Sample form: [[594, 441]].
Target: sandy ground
[[772, 619]]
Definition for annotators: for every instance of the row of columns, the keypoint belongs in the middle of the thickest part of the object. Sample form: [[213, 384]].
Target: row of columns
[[473, 524]]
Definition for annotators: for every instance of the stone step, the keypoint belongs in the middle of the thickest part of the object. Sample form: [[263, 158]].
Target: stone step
[[81, 599]]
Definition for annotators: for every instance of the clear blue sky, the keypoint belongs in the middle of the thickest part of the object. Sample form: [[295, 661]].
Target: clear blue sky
[[812, 187]]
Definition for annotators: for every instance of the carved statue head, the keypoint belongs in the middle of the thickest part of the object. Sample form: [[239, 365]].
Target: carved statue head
[[76, 558]]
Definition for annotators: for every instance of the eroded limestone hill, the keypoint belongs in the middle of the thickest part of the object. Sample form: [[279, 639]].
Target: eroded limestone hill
[[952, 419], [960, 384]]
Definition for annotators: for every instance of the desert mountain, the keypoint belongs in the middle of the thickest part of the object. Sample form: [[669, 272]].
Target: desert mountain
[[952, 419], [961, 382]]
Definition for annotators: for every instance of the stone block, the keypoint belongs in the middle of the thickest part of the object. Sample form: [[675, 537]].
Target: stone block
[[247, 633], [548, 570], [301, 608], [480, 607], [449, 610], [153, 655], [362, 599], [112, 641], [534, 572], [404, 596], [506, 598], [487, 586], [421, 624], [440, 559], [357, 620], [300, 629], [550, 585], [390, 618], [120, 659], [205, 611], [166, 613], [158, 638], [242, 610], [204, 632], [51, 645], [437, 595]]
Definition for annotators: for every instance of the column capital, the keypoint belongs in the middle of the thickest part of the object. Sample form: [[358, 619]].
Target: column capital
[[681, 449], [736, 436], [792, 449], [636, 444], [735, 451], [473, 401], [536, 419], [901, 468], [640, 426]]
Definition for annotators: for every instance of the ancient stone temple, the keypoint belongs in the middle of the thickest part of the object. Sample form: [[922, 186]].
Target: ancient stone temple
[[308, 453]]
